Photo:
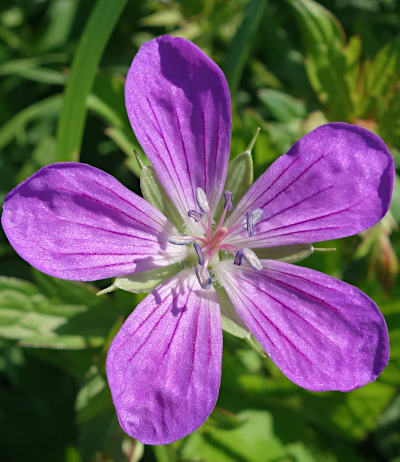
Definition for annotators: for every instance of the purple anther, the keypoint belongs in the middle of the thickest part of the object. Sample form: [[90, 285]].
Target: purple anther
[[203, 276], [228, 196], [195, 215], [252, 218], [238, 258], [200, 254], [250, 224]]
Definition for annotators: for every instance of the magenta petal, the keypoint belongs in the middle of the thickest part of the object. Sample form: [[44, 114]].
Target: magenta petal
[[164, 365], [321, 332], [74, 221], [178, 103], [334, 182]]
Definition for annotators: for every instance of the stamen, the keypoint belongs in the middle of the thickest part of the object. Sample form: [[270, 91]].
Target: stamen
[[250, 225], [203, 276], [257, 215], [200, 254], [252, 218], [228, 196], [180, 240], [238, 257], [202, 200], [252, 259], [195, 215]]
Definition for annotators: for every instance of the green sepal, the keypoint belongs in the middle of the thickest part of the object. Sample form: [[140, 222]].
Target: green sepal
[[287, 253], [145, 281], [154, 193], [239, 178], [230, 320]]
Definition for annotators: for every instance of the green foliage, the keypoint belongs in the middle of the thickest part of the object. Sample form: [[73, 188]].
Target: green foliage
[[94, 39], [291, 66]]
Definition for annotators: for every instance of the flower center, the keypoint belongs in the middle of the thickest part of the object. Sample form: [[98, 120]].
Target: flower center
[[208, 245]]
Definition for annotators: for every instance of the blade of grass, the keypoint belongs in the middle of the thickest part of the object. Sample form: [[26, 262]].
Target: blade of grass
[[94, 39], [241, 43], [9, 130]]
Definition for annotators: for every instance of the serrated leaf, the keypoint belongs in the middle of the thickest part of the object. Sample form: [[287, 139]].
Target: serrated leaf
[[381, 72], [326, 64], [57, 315]]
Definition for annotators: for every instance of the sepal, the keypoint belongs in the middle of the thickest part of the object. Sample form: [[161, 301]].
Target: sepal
[[154, 193], [143, 282]]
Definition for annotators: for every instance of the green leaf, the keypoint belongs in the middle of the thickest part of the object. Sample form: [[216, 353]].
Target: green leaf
[[91, 46], [352, 415], [253, 441], [58, 314], [25, 312], [164, 453], [11, 129], [241, 44], [30, 68], [42, 155], [154, 193], [327, 66], [61, 15], [380, 74], [93, 398], [282, 106]]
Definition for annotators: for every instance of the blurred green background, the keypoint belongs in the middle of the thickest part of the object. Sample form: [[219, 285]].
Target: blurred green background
[[291, 65]]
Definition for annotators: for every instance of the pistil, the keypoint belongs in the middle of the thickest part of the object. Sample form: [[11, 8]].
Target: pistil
[[213, 241]]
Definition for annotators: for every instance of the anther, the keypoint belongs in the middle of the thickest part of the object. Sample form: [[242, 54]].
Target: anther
[[202, 200], [200, 254], [228, 196], [252, 218], [195, 215], [203, 276], [180, 240], [252, 259], [238, 258]]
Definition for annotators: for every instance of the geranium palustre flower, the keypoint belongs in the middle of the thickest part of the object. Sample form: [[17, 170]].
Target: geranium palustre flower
[[73, 221]]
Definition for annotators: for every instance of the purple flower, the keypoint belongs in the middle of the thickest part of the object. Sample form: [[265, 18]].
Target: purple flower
[[76, 222]]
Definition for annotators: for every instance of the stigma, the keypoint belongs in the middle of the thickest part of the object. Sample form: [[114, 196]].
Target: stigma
[[214, 238]]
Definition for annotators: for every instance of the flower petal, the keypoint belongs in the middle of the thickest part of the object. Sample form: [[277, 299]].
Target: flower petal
[[334, 182], [74, 221], [164, 365], [178, 103], [321, 332]]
